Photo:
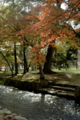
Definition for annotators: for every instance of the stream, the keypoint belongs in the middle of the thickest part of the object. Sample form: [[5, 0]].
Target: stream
[[38, 106]]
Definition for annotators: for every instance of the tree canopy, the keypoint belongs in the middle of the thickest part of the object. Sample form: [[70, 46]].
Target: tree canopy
[[40, 25]]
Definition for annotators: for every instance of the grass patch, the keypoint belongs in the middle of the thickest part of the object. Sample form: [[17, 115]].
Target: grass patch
[[71, 76], [72, 70]]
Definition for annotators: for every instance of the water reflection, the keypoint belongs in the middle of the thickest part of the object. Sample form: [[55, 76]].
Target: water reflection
[[38, 106]]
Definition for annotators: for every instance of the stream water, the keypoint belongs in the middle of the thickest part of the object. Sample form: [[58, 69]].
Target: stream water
[[38, 106]]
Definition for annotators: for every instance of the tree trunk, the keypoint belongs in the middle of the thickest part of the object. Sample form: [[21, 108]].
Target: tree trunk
[[76, 60], [12, 66], [25, 61], [47, 65], [7, 62], [15, 57], [41, 72]]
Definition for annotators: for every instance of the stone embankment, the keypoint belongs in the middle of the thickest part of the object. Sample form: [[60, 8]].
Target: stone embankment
[[5, 114], [66, 90]]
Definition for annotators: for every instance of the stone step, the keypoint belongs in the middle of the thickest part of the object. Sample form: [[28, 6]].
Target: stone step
[[62, 88], [62, 84], [65, 94], [61, 93]]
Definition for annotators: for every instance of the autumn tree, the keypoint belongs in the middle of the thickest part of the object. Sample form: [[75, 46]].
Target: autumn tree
[[42, 26], [54, 24], [63, 19]]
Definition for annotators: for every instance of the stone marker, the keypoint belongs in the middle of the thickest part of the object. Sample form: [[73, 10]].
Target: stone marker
[[77, 94]]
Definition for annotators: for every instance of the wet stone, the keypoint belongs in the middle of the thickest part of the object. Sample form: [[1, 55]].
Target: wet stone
[[6, 114], [1, 111], [0, 107], [19, 118], [9, 117], [6, 111]]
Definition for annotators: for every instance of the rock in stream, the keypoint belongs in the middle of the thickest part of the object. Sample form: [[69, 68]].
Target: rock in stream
[[5, 114]]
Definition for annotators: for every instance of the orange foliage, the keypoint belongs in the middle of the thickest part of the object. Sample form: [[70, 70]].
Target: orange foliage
[[39, 56], [49, 24]]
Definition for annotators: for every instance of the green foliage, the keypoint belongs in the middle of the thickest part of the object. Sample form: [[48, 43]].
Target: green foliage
[[62, 58]]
